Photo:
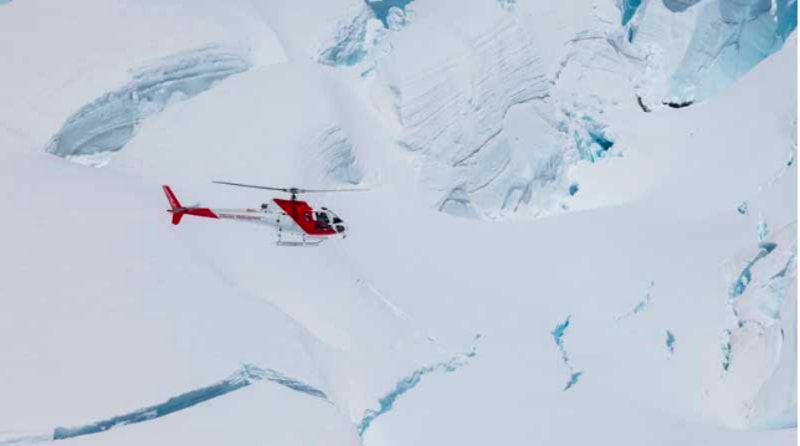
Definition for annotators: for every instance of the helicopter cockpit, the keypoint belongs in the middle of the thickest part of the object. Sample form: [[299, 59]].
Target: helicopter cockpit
[[326, 219]]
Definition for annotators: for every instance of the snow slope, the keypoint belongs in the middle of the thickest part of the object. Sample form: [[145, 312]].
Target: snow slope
[[555, 238]]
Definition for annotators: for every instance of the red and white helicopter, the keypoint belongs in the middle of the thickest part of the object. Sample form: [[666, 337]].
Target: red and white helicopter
[[291, 217]]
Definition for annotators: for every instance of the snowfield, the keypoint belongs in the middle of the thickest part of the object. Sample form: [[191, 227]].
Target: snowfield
[[582, 222]]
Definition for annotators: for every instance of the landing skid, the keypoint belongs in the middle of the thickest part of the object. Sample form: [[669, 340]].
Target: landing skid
[[307, 243], [302, 242]]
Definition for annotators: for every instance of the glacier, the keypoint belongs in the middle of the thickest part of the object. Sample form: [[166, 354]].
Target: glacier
[[534, 169]]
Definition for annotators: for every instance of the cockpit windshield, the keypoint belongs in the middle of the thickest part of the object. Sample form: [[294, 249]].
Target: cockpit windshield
[[326, 219]]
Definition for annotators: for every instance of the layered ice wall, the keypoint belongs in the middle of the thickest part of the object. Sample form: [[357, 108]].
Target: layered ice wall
[[106, 124], [456, 102], [336, 153]]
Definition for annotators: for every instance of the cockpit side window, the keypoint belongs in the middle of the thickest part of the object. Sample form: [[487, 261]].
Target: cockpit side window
[[322, 220]]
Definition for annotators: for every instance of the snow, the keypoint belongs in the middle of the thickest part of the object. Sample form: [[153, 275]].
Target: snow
[[604, 191]]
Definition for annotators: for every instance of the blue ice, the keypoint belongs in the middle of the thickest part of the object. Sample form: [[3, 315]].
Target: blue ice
[[348, 46], [731, 37], [381, 8], [600, 139], [629, 8], [299, 386], [558, 335], [246, 376], [573, 379], [173, 404], [745, 276], [787, 18], [670, 342], [742, 209], [778, 286], [679, 5], [386, 403], [594, 144], [648, 294]]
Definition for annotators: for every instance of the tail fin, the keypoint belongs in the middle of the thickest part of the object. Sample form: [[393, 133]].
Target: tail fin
[[175, 205], [173, 200]]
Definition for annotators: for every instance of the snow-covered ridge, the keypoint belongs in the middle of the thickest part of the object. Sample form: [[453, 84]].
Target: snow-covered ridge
[[110, 121]]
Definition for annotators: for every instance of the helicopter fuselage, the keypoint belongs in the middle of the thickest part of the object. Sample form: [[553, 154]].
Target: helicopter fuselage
[[292, 216]]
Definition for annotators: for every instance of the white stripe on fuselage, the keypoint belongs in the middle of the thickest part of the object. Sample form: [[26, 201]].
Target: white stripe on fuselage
[[277, 219]]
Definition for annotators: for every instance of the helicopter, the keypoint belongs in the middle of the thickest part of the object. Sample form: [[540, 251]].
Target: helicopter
[[292, 218]]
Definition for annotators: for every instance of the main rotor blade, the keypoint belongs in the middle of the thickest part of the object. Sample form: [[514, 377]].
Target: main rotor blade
[[330, 190], [290, 190], [281, 189]]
